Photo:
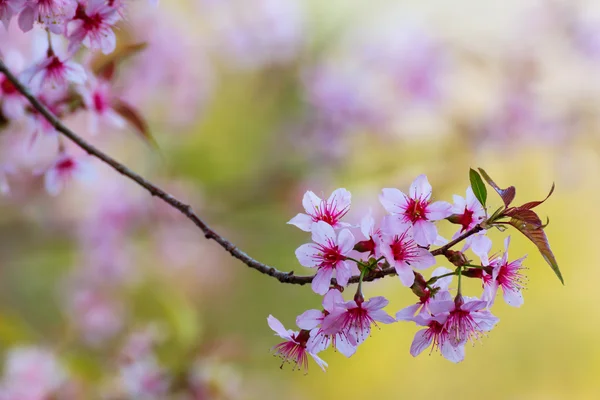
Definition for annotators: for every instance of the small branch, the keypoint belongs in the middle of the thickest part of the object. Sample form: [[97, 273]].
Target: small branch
[[185, 209]]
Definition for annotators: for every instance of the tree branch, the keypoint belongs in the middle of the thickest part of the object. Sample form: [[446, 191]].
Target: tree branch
[[185, 209]]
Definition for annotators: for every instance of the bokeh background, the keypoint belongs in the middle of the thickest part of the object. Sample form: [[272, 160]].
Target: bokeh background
[[253, 102]]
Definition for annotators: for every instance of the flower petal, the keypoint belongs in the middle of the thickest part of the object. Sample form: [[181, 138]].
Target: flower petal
[[278, 327], [393, 200], [420, 188], [408, 313], [308, 255], [343, 272], [322, 280], [425, 233], [452, 353], [323, 234], [438, 210], [311, 203], [302, 221], [421, 341], [346, 242], [309, 319], [513, 298]]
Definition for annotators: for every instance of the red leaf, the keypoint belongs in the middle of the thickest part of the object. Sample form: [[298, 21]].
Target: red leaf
[[538, 237], [105, 67], [534, 204], [527, 218], [507, 195], [132, 116]]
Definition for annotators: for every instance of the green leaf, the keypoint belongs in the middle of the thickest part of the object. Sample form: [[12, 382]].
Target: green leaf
[[478, 186], [530, 225], [507, 195]]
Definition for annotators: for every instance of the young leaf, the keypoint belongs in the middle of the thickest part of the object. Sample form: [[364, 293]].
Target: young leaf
[[534, 204], [478, 186], [132, 116], [528, 219], [538, 237], [507, 194]]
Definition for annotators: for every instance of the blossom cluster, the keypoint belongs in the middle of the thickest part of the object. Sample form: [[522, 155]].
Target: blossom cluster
[[65, 79], [402, 243]]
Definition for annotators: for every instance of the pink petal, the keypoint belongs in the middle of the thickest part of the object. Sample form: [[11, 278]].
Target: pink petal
[[420, 188], [375, 303], [382, 316], [319, 361], [442, 306], [452, 353], [302, 221], [332, 300], [343, 345], [308, 255], [444, 282], [26, 19], [408, 313], [438, 210], [485, 320], [424, 259], [340, 199], [343, 272], [311, 202], [421, 341], [425, 233], [322, 280], [323, 234], [474, 305], [513, 298], [405, 273], [367, 225], [309, 319], [346, 241], [278, 327], [393, 200], [318, 341], [459, 204], [52, 182]]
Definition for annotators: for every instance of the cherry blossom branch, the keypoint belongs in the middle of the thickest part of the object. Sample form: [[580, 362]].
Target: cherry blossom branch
[[186, 209]]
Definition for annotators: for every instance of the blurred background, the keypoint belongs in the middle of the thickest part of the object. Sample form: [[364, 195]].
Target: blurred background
[[253, 102]]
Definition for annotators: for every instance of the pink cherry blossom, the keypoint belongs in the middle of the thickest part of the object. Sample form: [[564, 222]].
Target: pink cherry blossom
[[467, 318], [312, 319], [8, 8], [355, 317], [507, 276], [31, 373], [52, 13], [327, 254], [437, 334], [331, 210], [469, 211], [293, 350], [64, 169], [92, 26], [98, 98], [54, 72], [398, 246], [437, 291], [13, 103], [417, 209], [371, 234]]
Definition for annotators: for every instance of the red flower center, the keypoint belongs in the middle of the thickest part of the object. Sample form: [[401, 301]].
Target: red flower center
[[416, 210], [7, 86], [466, 219]]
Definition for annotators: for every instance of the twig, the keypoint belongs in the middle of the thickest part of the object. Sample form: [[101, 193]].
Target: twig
[[185, 209]]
